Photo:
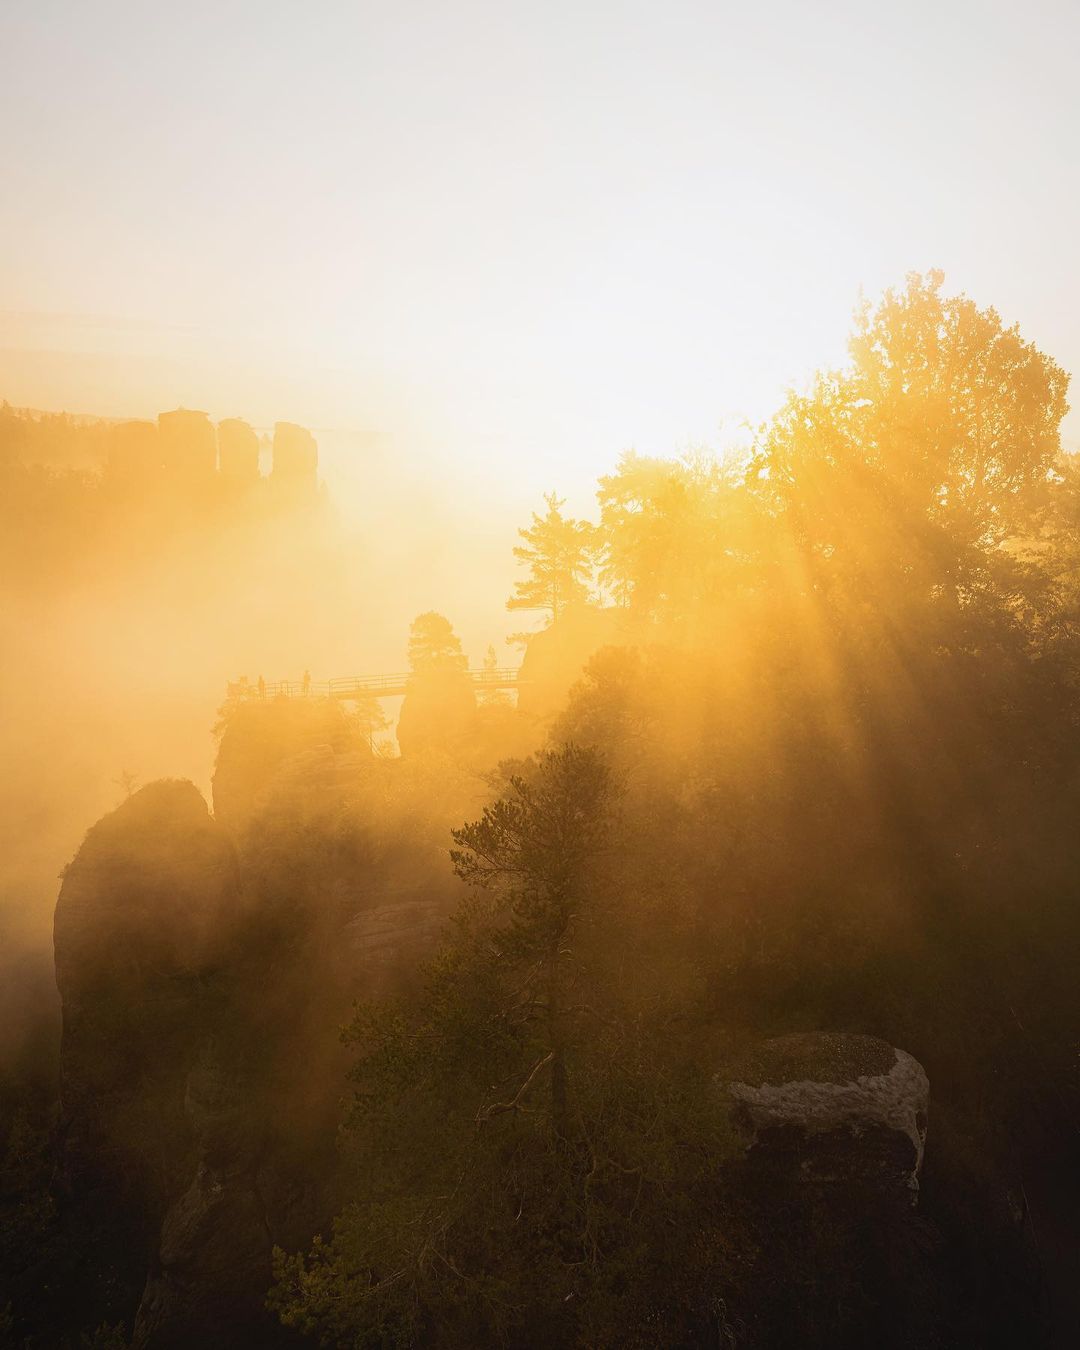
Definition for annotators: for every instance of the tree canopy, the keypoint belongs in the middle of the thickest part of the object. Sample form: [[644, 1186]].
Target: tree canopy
[[434, 646], [558, 552]]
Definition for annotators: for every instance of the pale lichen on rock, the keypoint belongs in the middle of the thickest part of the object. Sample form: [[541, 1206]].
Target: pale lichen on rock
[[842, 1106]]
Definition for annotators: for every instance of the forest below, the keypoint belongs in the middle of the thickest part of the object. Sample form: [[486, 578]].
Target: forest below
[[715, 988]]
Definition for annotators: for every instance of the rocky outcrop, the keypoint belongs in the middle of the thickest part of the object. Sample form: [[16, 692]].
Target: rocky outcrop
[[556, 656], [145, 900], [391, 939], [141, 926], [832, 1128], [208, 1278], [190, 1098], [141, 933], [318, 774], [203, 974], [261, 737], [438, 712], [833, 1108]]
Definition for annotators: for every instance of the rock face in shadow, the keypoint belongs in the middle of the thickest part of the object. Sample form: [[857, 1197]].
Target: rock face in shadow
[[141, 930], [390, 940], [834, 1108], [437, 713], [556, 656], [833, 1128], [172, 1061], [208, 1278], [264, 734], [204, 971]]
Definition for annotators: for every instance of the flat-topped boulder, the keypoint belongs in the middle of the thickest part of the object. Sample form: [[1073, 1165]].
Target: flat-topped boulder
[[832, 1107]]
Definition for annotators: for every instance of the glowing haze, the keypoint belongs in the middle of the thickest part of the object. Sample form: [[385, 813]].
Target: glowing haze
[[514, 235]]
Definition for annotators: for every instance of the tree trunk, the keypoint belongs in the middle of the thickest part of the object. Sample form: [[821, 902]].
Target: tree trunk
[[560, 1103]]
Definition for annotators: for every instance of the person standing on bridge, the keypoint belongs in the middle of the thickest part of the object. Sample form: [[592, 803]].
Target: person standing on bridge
[[262, 687], [305, 683]]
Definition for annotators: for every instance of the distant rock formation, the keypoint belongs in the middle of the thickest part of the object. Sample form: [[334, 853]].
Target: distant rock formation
[[296, 457], [238, 452], [184, 449], [188, 445], [834, 1108]]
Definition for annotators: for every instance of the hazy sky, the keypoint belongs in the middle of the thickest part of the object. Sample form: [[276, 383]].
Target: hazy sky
[[529, 235]]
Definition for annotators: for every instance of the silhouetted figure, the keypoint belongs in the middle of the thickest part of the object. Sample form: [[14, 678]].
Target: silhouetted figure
[[262, 687], [305, 683]]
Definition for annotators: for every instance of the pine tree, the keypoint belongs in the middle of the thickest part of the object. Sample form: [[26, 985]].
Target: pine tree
[[558, 552], [434, 646]]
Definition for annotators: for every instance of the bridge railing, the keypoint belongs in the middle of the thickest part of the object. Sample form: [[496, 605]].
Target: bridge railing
[[365, 684], [352, 686], [241, 689]]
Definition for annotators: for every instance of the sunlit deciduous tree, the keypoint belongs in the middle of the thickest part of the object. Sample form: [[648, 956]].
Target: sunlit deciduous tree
[[675, 533], [931, 450]]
